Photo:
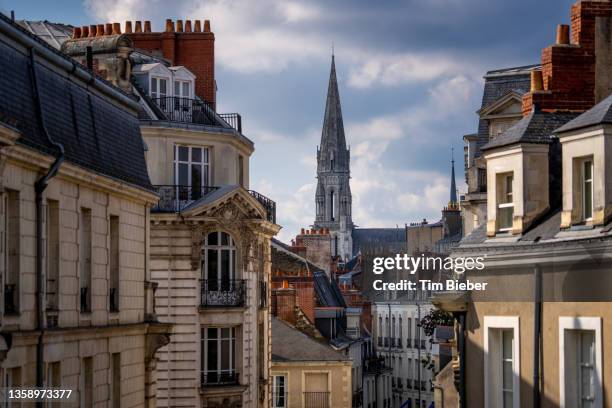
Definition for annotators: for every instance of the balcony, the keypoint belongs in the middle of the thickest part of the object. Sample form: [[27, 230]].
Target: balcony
[[423, 344], [386, 342], [223, 293], [316, 399], [423, 386], [375, 365], [173, 198], [408, 342], [212, 378], [393, 342], [380, 341], [399, 343], [197, 112], [408, 384]]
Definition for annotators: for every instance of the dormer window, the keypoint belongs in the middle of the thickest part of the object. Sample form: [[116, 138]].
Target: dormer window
[[505, 206], [182, 89], [587, 189], [159, 87]]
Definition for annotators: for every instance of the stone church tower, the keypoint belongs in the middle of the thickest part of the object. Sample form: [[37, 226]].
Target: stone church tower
[[333, 196]]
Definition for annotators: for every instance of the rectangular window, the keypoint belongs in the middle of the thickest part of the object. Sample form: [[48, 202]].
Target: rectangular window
[[219, 355], [587, 190], [279, 391], [316, 392], [85, 260], [505, 203], [53, 254], [182, 89], [507, 368], [13, 236], [241, 170], [116, 380], [13, 380], [158, 87], [54, 380], [86, 391], [191, 171], [502, 369], [114, 263], [580, 362]]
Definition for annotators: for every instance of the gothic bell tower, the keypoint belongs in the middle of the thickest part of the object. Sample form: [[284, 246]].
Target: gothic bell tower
[[333, 197]]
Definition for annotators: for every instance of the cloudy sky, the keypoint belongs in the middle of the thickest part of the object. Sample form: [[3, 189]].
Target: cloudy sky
[[410, 76]]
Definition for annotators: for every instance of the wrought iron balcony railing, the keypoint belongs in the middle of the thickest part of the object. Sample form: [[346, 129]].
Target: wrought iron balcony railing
[[175, 198], [408, 383], [213, 378], [197, 112], [316, 399], [223, 293]]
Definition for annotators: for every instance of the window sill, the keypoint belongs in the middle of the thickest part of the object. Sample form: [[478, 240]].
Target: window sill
[[222, 389]]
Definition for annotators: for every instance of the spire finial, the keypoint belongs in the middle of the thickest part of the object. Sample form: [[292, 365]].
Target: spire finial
[[332, 48], [453, 203]]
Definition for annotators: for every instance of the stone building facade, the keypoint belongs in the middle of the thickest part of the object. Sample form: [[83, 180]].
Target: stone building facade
[[209, 234], [546, 312], [77, 309]]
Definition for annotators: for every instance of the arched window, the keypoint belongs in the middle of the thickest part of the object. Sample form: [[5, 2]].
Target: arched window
[[219, 269]]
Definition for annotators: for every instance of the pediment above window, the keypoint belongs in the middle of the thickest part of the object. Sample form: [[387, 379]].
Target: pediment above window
[[508, 105]]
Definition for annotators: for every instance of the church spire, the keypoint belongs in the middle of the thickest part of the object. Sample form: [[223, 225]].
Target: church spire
[[453, 203], [332, 137]]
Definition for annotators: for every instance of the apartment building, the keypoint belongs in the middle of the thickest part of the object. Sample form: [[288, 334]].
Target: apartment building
[[77, 307], [536, 337]]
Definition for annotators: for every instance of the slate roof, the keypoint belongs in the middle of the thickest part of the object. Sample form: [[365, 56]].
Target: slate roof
[[96, 133], [290, 344], [537, 127], [327, 290], [284, 259], [597, 115], [499, 83], [380, 240], [53, 34]]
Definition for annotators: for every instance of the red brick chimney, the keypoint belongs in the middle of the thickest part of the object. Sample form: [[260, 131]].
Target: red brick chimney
[[575, 74], [283, 303], [193, 49]]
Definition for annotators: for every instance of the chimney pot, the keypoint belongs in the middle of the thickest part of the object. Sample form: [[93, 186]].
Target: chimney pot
[[147, 26], [179, 26], [188, 26], [84, 31], [108, 29], [76, 32], [207, 26], [563, 34], [128, 27], [169, 26], [138, 27], [537, 82], [93, 30], [302, 231], [198, 26], [116, 28], [100, 30]]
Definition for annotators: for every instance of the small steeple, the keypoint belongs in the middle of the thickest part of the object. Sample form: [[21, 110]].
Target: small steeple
[[453, 203]]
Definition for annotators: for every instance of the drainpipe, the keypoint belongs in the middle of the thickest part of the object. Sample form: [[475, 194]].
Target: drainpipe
[[39, 187], [537, 334]]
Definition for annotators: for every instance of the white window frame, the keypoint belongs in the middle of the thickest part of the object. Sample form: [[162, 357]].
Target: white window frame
[[182, 83], [158, 94], [204, 164], [275, 387], [567, 323], [504, 177], [501, 323], [219, 248], [583, 182]]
